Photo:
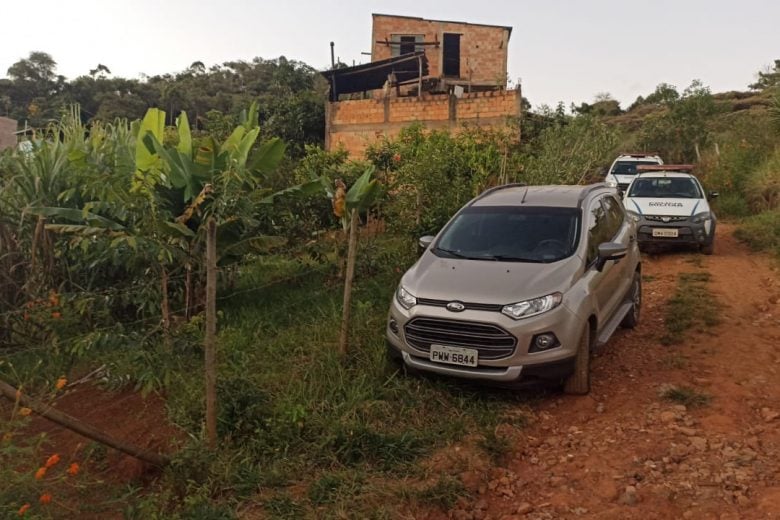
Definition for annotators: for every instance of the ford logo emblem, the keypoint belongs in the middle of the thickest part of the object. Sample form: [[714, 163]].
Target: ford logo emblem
[[455, 307]]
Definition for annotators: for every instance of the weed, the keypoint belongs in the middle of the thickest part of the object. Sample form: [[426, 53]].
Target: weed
[[444, 493], [693, 303], [495, 446], [676, 361], [761, 232], [687, 396], [647, 278], [283, 507]]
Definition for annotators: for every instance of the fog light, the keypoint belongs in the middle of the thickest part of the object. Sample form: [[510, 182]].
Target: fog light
[[544, 341], [393, 325]]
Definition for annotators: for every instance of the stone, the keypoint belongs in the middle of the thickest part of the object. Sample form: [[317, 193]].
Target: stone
[[629, 497], [668, 416], [524, 508], [769, 415]]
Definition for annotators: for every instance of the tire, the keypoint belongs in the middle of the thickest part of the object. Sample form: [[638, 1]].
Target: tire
[[579, 382], [635, 293], [708, 249]]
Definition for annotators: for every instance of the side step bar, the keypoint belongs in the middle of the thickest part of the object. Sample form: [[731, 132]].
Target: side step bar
[[611, 326]]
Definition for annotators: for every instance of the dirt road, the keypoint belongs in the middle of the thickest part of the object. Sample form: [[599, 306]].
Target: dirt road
[[626, 452]]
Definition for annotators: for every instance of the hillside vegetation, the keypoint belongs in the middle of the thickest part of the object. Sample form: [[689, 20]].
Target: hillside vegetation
[[104, 224]]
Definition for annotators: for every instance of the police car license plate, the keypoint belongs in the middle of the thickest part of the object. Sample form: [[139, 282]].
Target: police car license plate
[[454, 355], [665, 232]]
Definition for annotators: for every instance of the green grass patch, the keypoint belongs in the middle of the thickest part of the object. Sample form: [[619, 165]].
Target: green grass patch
[[693, 304], [761, 232], [311, 420], [687, 396], [444, 493]]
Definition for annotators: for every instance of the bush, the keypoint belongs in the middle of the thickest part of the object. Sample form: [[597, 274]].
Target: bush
[[762, 186], [761, 232]]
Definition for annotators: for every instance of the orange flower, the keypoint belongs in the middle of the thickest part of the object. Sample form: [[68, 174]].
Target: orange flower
[[52, 461], [54, 298], [45, 498], [61, 382], [73, 470], [56, 315], [23, 509], [24, 411], [40, 473]]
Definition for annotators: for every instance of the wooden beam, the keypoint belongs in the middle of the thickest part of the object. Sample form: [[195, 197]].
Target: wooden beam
[[79, 427]]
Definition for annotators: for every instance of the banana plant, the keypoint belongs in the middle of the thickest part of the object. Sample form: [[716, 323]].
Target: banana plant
[[347, 205]]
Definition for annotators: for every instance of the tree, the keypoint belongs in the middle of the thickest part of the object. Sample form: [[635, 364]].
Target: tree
[[768, 78]]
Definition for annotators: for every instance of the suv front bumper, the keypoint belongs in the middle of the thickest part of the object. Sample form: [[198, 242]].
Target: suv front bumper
[[519, 367], [688, 232]]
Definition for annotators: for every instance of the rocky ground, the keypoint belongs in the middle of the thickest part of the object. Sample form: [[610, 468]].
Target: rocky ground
[[627, 450]]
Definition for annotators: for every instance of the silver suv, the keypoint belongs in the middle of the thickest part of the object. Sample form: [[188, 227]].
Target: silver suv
[[519, 286]]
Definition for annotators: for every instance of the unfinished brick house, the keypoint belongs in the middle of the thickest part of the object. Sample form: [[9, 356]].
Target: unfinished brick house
[[438, 73]]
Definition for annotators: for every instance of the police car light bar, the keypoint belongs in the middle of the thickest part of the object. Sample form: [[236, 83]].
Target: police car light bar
[[640, 154], [686, 168]]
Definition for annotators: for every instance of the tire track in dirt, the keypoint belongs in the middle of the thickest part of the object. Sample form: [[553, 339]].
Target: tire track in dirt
[[624, 452]]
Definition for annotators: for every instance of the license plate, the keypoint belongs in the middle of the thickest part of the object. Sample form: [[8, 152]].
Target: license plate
[[466, 357], [665, 232]]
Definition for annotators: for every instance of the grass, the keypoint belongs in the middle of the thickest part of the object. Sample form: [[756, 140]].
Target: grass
[[693, 304], [305, 426], [761, 232], [687, 396], [444, 493]]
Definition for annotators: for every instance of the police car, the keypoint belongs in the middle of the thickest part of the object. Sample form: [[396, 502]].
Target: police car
[[669, 206], [623, 169]]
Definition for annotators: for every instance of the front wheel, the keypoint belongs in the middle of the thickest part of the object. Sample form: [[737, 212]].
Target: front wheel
[[708, 249], [579, 382], [632, 317]]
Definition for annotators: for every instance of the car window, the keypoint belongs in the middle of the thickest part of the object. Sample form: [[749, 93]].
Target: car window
[[615, 215], [629, 167], [598, 229], [665, 188], [511, 233]]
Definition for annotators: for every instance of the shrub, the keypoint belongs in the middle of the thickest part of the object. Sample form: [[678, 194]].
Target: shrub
[[761, 232], [762, 186]]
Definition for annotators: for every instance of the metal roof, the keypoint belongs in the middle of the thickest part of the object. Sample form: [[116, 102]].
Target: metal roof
[[373, 75]]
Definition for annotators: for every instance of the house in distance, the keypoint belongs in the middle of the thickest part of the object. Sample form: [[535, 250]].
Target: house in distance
[[438, 73]]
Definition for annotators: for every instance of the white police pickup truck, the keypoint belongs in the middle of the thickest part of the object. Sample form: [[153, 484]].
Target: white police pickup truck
[[623, 169], [669, 206]]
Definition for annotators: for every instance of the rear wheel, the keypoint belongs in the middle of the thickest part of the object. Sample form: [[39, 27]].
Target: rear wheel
[[632, 318], [579, 382]]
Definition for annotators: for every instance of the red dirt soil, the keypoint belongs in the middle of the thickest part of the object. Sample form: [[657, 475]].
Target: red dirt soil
[[625, 452]]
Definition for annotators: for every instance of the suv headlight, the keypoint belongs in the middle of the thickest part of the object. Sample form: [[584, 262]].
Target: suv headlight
[[701, 217], [405, 298], [528, 308], [611, 182], [633, 215]]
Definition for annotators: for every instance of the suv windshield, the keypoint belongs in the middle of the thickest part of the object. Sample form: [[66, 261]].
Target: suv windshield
[[665, 188], [511, 234], [628, 167]]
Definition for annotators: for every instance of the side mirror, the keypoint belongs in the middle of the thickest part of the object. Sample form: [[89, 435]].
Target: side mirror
[[425, 242], [713, 195], [610, 251]]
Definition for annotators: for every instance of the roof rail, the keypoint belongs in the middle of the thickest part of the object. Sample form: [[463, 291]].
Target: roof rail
[[497, 188], [588, 189]]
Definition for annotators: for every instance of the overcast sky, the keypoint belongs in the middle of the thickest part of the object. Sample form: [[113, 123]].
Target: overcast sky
[[566, 50]]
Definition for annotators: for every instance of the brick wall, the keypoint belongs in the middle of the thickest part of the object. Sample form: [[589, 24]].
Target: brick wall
[[354, 124], [7, 136], [483, 48]]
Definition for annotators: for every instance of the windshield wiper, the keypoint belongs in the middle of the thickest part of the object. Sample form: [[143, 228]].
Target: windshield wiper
[[454, 253], [507, 258]]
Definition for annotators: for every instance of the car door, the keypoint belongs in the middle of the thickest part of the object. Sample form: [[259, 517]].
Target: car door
[[622, 233], [601, 284]]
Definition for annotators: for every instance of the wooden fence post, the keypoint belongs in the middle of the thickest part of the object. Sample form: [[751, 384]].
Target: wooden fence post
[[210, 343]]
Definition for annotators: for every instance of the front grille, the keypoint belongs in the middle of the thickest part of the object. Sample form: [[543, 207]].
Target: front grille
[[491, 341], [658, 218], [467, 305]]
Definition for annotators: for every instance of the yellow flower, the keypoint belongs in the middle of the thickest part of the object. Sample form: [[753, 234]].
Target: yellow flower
[[24, 411], [61, 382]]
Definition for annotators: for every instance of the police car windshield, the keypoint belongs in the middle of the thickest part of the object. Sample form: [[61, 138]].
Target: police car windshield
[[629, 167], [665, 188]]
